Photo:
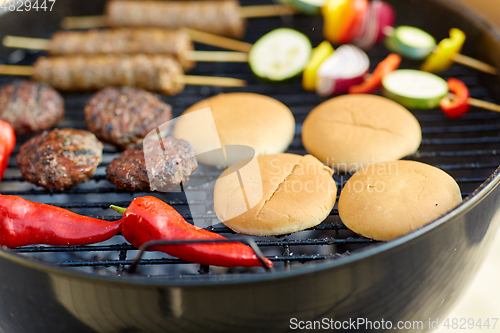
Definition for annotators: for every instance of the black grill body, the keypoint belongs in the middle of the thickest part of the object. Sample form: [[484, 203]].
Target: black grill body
[[413, 278]]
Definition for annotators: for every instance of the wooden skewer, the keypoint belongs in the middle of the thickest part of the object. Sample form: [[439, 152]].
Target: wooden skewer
[[219, 41], [478, 103], [100, 21], [474, 63], [266, 11], [459, 58], [207, 56], [218, 56], [196, 80], [28, 43], [18, 70], [483, 104]]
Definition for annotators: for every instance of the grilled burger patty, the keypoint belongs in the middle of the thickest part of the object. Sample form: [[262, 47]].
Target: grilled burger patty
[[123, 116], [30, 107], [168, 167], [60, 159]]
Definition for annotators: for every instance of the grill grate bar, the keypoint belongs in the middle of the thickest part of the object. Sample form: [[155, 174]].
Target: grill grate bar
[[107, 263], [441, 137], [126, 246]]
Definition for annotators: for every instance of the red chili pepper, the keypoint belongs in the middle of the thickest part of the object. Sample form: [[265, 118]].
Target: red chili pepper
[[148, 218], [7, 144], [374, 81], [459, 106], [23, 222]]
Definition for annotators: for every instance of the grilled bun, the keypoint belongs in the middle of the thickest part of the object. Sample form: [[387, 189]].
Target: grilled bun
[[247, 119], [289, 194], [352, 131], [387, 200]]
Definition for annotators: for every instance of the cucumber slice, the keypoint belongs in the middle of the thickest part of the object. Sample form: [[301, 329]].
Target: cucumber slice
[[411, 42], [414, 89], [280, 55]]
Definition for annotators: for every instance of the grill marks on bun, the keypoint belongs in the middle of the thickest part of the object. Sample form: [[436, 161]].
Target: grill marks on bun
[[297, 192], [387, 200], [352, 131]]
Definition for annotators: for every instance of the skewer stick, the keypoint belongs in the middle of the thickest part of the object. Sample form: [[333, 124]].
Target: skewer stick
[[18, 70], [478, 103], [483, 104], [459, 58], [474, 63], [100, 21], [266, 11], [26, 43], [207, 56], [219, 41], [31, 43], [212, 81], [218, 56]]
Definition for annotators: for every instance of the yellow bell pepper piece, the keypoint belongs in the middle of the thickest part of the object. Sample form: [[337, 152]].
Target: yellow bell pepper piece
[[319, 54], [441, 58], [335, 15]]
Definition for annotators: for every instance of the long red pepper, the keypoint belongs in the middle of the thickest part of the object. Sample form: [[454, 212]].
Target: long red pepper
[[7, 144], [374, 81], [23, 222], [148, 218]]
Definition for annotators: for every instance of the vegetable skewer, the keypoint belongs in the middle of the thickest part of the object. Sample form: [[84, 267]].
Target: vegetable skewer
[[125, 41], [79, 73], [423, 90], [277, 56], [365, 24], [225, 18], [417, 44]]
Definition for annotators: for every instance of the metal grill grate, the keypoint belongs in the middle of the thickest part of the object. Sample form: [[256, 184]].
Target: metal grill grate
[[466, 148]]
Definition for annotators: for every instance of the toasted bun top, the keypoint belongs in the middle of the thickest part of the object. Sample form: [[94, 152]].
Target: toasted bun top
[[350, 132], [248, 119], [285, 193], [387, 200]]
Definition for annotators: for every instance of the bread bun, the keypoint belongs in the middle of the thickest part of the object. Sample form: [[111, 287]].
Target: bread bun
[[387, 200], [352, 131], [290, 193], [246, 119]]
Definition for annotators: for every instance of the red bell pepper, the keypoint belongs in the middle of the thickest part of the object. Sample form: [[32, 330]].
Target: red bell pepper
[[7, 144], [374, 81], [459, 106], [356, 13], [148, 218], [23, 222]]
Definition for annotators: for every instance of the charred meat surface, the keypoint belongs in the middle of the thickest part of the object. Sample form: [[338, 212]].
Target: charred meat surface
[[30, 107], [83, 73], [128, 171], [168, 164], [124, 41], [124, 116], [60, 159]]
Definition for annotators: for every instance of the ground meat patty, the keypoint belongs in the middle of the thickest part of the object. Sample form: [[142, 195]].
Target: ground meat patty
[[168, 167], [60, 159], [124, 116], [30, 107]]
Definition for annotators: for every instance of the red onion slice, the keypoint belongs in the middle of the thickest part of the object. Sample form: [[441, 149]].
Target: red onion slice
[[369, 29], [386, 18], [347, 66]]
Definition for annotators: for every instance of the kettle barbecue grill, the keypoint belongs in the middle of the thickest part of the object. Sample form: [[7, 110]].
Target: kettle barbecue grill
[[324, 272]]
